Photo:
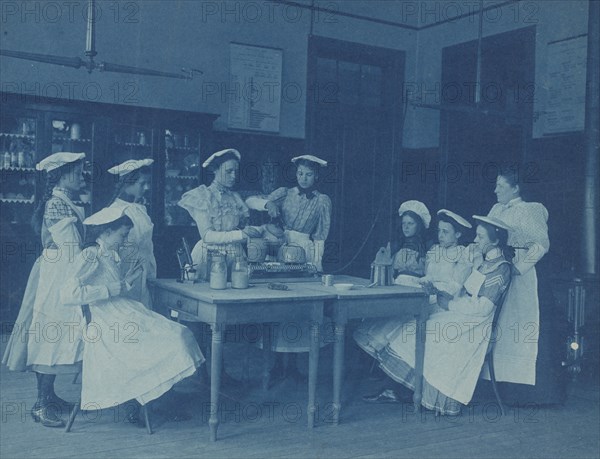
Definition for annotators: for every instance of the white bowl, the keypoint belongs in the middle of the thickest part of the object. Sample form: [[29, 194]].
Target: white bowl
[[343, 287]]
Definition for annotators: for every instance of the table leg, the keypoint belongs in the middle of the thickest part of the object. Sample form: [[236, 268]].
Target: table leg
[[216, 367], [313, 366], [420, 355], [338, 369], [267, 354]]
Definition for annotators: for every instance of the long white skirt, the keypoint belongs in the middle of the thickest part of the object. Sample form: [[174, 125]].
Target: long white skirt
[[133, 353]]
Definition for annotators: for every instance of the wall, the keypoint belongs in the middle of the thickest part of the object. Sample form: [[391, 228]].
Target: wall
[[554, 20], [167, 35]]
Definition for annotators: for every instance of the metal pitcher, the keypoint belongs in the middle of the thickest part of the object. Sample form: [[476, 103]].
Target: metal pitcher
[[381, 273]]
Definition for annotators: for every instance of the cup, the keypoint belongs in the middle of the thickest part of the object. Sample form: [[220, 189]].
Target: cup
[[327, 280]]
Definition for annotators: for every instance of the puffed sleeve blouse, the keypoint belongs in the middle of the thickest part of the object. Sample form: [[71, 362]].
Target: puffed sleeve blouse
[[306, 214], [218, 212]]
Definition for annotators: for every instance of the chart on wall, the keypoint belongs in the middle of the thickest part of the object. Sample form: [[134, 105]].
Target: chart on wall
[[565, 103], [255, 88]]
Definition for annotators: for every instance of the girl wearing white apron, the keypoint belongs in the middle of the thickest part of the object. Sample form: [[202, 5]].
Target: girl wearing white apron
[[130, 352], [47, 336], [457, 337], [219, 212], [447, 266], [306, 216], [516, 356], [134, 178]]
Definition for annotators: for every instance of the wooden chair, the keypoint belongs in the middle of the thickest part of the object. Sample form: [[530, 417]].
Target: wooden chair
[[489, 357], [85, 309]]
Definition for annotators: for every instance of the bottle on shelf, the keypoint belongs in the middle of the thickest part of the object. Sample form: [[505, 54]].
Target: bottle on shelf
[[14, 159], [6, 160]]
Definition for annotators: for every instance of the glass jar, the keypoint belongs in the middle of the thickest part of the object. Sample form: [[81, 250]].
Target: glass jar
[[239, 273], [218, 272]]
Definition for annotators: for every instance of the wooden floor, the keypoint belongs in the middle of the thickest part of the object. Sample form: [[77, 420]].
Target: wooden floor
[[273, 424]]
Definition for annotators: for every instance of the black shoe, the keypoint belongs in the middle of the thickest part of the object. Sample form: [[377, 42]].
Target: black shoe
[[385, 396], [47, 417]]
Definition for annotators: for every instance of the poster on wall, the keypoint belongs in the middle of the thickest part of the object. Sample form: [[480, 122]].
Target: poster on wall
[[565, 103], [255, 84]]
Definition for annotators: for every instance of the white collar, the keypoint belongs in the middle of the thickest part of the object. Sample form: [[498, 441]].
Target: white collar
[[493, 254], [514, 201]]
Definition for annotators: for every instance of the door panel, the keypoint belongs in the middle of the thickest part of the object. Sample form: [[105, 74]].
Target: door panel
[[353, 124]]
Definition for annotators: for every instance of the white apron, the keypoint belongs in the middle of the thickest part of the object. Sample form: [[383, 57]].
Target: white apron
[[139, 245], [515, 352], [55, 331]]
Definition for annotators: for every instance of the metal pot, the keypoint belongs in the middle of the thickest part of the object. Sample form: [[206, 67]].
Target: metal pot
[[382, 274], [257, 250], [291, 253]]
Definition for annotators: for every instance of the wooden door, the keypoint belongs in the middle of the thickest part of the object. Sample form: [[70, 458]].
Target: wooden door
[[354, 123]]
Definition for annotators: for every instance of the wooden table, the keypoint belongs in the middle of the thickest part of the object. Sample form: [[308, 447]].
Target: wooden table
[[257, 304], [368, 303]]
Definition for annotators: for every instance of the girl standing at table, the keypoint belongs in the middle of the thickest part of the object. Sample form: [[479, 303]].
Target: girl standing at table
[[134, 178], [306, 216], [58, 221], [305, 212], [516, 359], [133, 353], [219, 212]]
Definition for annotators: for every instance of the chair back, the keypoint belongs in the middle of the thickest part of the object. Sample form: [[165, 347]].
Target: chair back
[[496, 318]]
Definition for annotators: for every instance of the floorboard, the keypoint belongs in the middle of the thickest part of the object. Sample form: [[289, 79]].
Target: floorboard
[[257, 424]]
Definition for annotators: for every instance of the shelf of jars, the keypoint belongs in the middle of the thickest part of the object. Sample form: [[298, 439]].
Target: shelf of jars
[[132, 142], [17, 165], [69, 135]]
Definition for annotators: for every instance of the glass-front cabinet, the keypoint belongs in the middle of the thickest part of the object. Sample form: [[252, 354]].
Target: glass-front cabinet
[[31, 130], [18, 156], [131, 140], [182, 155], [74, 133], [19, 152]]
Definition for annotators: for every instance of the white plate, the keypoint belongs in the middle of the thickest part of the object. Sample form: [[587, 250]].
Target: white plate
[[343, 287]]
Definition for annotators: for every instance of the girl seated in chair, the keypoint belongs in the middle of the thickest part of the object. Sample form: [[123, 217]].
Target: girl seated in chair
[[129, 352], [457, 336]]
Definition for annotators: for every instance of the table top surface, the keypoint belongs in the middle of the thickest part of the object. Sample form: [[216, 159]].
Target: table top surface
[[299, 290], [361, 291]]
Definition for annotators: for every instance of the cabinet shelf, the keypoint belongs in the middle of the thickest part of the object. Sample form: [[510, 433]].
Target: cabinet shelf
[[17, 136], [132, 144], [68, 139], [17, 200], [18, 169], [183, 149], [183, 177]]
